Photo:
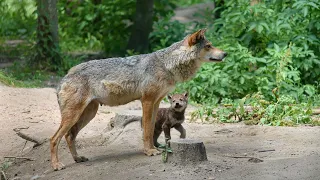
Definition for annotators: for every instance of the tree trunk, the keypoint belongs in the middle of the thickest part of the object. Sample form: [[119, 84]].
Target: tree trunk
[[139, 39], [47, 47]]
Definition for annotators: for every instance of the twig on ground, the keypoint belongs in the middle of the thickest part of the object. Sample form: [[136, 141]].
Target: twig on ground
[[250, 158], [3, 176], [18, 129], [23, 146], [238, 156], [17, 157], [267, 150]]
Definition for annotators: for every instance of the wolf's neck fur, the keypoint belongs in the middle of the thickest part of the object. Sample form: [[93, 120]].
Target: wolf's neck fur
[[181, 61]]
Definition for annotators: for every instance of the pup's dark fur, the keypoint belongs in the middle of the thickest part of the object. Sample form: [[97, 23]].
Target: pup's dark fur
[[171, 117]]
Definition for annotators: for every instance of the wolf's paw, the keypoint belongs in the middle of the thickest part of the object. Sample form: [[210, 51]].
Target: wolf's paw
[[79, 159], [152, 152], [58, 166]]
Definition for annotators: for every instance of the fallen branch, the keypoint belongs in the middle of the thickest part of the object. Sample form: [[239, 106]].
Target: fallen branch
[[27, 137], [17, 157]]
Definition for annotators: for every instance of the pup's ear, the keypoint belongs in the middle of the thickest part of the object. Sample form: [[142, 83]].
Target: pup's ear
[[196, 37], [186, 94], [169, 97]]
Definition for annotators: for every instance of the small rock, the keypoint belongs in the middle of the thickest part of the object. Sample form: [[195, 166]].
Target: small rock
[[255, 160]]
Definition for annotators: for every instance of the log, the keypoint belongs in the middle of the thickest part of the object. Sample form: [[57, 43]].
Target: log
[[31, 138], [121, 120], [187, 151]]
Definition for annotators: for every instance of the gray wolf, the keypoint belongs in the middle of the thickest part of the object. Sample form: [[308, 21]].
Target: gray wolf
[[116, 81], [171, 117]]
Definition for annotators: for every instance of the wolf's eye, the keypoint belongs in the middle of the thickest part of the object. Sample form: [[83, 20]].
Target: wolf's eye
[[181, 99], [174, 101], [208, 46]]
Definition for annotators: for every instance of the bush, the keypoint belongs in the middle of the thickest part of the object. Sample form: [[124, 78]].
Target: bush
[[271, 45], [17, 18]]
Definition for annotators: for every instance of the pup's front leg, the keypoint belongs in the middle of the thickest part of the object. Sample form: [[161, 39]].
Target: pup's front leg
[[182, 131], [148, 123], [166, 129]]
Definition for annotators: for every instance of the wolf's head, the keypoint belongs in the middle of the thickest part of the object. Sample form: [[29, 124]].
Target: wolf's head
[[185, 57], [206, 52], [178, 102]]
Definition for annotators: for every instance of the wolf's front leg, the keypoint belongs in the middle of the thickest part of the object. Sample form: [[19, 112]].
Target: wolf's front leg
[[148, 123]]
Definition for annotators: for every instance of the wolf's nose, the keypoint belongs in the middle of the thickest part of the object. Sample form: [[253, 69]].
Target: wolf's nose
[[225, 54], [177, 104]]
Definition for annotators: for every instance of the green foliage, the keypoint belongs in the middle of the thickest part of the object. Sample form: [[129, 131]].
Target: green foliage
[[273, 49], [105, 25], [17, 18], [256, 110], [271, 44], [11, 79], [186, 3], [166, 32], [92, 25]]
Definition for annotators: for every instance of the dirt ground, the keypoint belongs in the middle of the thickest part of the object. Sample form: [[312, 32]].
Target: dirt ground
[[291, 152]]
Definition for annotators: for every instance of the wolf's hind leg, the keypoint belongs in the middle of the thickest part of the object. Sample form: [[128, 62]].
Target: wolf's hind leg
[[88, 114], [69, 117]]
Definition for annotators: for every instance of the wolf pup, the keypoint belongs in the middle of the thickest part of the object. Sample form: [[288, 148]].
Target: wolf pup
[[117, 81], [171, 117]]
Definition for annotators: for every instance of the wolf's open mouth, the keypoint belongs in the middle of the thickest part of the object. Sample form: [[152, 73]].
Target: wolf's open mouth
[[214, 59], [178, 106]]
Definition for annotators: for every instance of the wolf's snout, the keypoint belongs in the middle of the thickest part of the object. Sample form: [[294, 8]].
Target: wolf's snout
[[177, 104]]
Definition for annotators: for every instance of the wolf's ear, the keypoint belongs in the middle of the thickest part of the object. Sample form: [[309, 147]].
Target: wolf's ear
[[195, 37], [169, 97]]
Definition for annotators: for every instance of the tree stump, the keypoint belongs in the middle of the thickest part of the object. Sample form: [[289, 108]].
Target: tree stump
[[187, 151]]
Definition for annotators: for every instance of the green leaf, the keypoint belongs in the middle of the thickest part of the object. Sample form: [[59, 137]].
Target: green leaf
[[313, 5], [252, 26], [241, 80], [305, 11]]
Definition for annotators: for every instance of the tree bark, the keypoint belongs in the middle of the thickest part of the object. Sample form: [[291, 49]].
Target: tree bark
[[187, 151], [139, 39], [47, 35]]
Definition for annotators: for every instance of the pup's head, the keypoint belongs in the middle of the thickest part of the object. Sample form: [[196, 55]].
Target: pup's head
[[178, 102], [206, 52]]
